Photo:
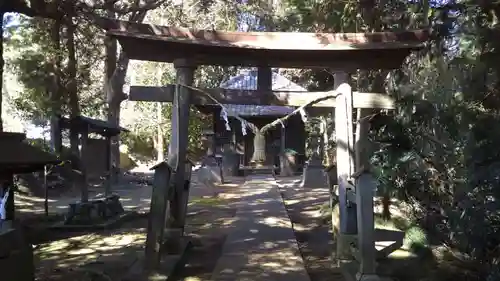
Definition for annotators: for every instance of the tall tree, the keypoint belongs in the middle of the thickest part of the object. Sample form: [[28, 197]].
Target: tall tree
[[1, 64]]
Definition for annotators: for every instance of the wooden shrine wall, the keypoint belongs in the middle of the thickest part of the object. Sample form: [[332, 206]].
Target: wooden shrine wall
[[295, 137], [95, 158]]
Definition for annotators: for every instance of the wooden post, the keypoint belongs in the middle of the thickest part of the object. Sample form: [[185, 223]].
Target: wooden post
[[46, 191], [83, 156], [345, 163], [157, 216], [232, 123], [362, 146], [215, 116], [264, 78], [109, 169], [365, 186], [179, 139]]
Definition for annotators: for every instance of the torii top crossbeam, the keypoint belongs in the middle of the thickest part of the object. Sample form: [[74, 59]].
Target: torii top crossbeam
[[384, 50]]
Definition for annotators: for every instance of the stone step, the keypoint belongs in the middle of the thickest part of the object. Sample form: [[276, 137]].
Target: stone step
[[261, 244]]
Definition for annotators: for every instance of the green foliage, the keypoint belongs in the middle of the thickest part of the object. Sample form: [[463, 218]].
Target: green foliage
[[35, 70], [438, 151], [31, 40], [415, 238], [139, 145], [40, 143]]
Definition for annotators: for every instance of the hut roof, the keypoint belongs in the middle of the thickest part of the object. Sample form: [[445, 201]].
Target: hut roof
[[91, 125], [247, 80], [17, 156]]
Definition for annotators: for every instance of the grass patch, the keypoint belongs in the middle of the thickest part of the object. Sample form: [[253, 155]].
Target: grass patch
[[208, 201]]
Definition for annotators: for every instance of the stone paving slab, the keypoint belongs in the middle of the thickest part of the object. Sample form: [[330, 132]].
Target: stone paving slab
[[261, 244]]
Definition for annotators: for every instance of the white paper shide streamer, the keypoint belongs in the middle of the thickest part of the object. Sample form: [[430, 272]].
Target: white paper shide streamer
[[223, 116], [243, 127], [303, 115], [3, 205]]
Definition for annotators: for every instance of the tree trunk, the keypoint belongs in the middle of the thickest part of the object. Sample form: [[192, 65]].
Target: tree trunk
[[114, 91], [57, 90], [386, 206], [72, 90], [115, 97], [113, 109], [72, 86], [1, 69]]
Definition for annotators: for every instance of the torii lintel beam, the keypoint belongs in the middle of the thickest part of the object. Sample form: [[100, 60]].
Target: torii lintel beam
[[252, 97]]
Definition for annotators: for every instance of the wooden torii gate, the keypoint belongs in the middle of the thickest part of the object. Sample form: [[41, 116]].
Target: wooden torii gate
[[342, 53]]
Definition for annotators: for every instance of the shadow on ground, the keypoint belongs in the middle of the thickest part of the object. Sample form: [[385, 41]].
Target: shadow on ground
[[108, 254], [304, 206]]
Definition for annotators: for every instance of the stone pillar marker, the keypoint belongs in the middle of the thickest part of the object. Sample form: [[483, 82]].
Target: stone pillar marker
[[285, 165], [316, 147], [210, 172], [208, 139], [314, 175]]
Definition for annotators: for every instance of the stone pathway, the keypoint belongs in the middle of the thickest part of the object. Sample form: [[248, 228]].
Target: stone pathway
[[261, 244]]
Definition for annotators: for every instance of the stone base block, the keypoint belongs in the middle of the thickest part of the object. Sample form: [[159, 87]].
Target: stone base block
[[344, 245], [96, 214], [367, 277], [258, 170], [209, 175], [108, 224], [314, 177], [94, 211]]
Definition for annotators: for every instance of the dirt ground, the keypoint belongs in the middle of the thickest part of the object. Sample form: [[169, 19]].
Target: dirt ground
[[312, 231], [106, 255], [208, 226]]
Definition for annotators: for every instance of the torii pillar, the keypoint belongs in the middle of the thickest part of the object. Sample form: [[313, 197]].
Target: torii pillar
[[345, 165], [177, 150]]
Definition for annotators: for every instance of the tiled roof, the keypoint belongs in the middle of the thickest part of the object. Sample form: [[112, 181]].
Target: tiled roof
[[247, 80]]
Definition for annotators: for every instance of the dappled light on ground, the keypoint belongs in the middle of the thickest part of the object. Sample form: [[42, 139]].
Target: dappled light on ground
[[111, 253], [133, 197], [261, 244], [312, 231], [84, 250]]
